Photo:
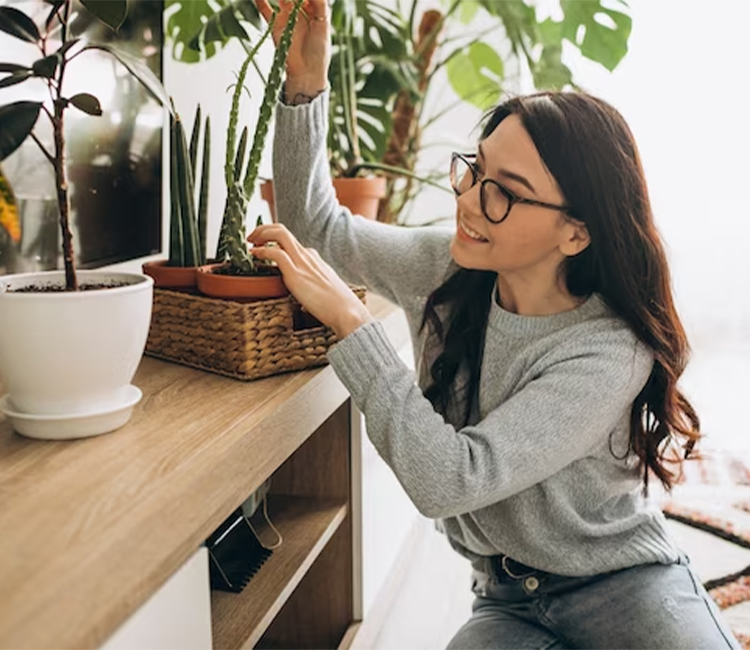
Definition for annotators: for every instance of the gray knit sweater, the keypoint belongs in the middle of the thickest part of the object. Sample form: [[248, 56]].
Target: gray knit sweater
[[534, 477]]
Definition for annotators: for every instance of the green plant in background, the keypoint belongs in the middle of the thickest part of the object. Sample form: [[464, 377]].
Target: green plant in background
[[389, 56], [188, 212], [241, 174], [57, 49]]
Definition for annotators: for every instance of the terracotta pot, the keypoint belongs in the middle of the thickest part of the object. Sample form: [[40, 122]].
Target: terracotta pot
[[239, 287], [171, 277], [361, 195]]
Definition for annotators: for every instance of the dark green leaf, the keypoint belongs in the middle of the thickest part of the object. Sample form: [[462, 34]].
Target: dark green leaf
[[86, 103], [250, 13], [18, 24], [47, 66], [12, 67], [15, 78], [231, 26], [17, 121], [139, 70], [65, 48], [110, 12], [212, 33], [550, 72]]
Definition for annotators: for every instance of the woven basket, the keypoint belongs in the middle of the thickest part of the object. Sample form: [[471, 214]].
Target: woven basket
[[241, 340]]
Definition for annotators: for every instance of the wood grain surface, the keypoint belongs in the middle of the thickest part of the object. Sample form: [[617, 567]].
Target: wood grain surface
[[90, 528]]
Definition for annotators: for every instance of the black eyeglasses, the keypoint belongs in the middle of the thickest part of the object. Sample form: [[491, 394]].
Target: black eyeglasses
[[496, 199]]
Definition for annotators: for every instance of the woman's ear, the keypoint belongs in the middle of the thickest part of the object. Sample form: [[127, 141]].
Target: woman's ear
[[576, 240]]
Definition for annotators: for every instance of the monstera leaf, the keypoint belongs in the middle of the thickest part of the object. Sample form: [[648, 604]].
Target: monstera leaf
[[198, 29]]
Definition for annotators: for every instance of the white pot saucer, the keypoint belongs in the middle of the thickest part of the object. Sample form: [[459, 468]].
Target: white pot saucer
[[65, 427]]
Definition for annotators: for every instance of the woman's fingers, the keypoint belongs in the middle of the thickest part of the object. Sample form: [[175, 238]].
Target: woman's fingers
[[275, 254], [265, 9], [275, 232]]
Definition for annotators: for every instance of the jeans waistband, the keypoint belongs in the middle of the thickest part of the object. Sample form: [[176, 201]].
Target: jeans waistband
[[506, 569]]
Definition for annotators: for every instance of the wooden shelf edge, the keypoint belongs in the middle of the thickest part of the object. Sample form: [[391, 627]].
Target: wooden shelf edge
[[349, 636], [306, 524]]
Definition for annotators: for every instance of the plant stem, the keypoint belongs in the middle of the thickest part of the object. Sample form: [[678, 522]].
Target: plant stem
[[61, 180]]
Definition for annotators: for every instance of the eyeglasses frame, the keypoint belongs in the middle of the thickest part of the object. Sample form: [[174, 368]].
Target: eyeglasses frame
[[470, 160]]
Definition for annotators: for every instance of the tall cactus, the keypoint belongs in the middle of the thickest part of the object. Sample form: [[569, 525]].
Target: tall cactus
[[232, 244]]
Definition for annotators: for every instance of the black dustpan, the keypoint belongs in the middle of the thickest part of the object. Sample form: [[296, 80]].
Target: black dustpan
[[236, 553]]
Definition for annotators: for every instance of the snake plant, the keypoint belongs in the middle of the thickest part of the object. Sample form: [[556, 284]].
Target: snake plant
[[187, 225]]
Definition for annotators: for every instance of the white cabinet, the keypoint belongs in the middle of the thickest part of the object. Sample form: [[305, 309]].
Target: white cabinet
[[176, 617]]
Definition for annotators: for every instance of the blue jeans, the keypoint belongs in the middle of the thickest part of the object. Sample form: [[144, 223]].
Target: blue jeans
[[648, 606]]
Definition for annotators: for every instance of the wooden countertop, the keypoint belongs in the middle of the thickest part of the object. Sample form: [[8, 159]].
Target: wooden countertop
[[90, 528]]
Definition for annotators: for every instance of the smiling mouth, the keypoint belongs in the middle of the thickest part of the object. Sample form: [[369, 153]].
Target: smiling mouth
[[472, 234]]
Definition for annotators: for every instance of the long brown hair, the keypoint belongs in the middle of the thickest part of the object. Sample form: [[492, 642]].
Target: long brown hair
[[591, 152]]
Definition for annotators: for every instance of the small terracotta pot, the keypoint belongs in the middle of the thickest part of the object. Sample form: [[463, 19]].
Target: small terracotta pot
[[239, 287], [360, 195], [171, 277]]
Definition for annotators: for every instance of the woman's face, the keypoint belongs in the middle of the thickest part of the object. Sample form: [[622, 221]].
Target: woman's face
[[531, 238]]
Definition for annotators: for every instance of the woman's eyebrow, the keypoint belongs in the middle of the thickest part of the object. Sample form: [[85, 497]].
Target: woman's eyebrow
[[508, 174]]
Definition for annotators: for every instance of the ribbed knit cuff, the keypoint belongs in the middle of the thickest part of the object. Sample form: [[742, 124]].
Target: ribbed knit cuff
[[311, 117], [359, 358]]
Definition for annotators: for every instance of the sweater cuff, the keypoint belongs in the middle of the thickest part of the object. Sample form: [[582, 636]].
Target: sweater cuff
[[359, 358], [311, 117]]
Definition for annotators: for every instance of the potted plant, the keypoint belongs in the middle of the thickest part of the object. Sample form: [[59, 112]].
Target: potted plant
[[189, 184], [236, 273], [386, 62], [70, 341]]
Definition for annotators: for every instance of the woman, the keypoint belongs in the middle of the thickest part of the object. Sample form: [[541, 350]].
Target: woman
[[548, 350]]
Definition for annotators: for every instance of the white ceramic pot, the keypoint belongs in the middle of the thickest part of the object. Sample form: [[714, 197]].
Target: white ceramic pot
[[72, 353]]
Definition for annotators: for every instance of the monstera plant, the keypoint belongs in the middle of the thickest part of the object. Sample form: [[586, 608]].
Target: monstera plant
[[67, 355], [390, 58]]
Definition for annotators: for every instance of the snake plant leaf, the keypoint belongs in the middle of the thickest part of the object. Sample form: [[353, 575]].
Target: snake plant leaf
[[139, 70], [18, 24], [47, 66], [9, 217], [17, 121], [111, 12], [86, 103], [476, 75], [16, 78], [605, 33]]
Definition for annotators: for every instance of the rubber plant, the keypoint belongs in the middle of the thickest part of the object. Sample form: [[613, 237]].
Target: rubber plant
[[58, 49], [241, 172]]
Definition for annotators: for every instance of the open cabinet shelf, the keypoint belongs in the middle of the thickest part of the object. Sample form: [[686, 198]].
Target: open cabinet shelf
[[303, 595], [306, 525]]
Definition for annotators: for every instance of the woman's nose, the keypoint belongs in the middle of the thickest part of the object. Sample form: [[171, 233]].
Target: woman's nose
[[470, 201]]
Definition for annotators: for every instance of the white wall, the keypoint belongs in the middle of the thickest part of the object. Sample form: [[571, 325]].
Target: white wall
[[682, 89]]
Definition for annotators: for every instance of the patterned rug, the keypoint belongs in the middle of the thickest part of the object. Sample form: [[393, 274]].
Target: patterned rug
[[714, 497]]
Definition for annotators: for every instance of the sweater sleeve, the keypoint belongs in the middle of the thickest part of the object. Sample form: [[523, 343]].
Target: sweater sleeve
[[572, 405], [393, 261]]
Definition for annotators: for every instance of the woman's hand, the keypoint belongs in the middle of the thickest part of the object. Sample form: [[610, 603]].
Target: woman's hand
[[310, 51], [310, 280]]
